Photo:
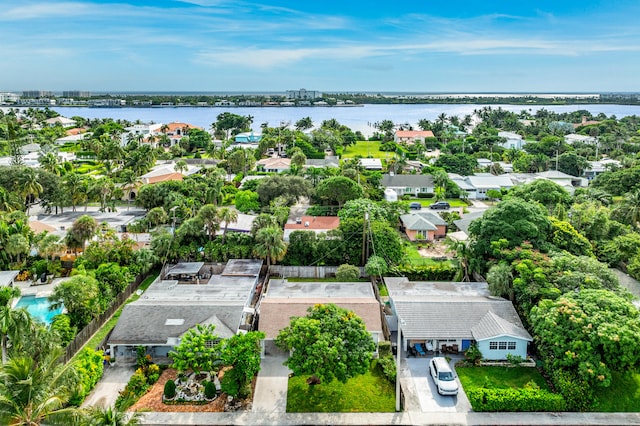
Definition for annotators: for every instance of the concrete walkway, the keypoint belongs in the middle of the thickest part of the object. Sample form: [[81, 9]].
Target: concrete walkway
[[114, 379], [270, 395]]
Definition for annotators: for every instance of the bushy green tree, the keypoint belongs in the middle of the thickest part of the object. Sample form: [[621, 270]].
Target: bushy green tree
[[590, 332], [80, 297], [329, 343], [242, 353], [198, 350]]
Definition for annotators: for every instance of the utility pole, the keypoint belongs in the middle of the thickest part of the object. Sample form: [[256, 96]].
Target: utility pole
[[364, 238]]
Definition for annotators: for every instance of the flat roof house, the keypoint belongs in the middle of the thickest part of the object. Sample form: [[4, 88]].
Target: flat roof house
[[448, 317], [284, 300]]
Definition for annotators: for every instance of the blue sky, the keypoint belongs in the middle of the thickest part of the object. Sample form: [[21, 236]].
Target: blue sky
[[418, 46]]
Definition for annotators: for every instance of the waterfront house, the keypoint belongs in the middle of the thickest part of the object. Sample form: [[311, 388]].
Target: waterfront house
[[410, 137]]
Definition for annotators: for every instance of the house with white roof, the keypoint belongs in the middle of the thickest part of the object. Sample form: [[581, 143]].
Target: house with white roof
[[512, 140], [371, 163], [573, 138], [274, 164], [60, 120], [147, 132], [476, 186], [595, 168], [448, 317]]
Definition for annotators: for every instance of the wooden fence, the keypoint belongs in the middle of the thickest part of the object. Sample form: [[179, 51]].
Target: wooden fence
[[306, 271], [90, 329]]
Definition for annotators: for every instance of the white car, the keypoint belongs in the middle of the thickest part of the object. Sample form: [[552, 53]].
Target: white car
[[442, 376]]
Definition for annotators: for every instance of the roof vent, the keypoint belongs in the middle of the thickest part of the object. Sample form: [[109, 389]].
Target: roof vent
[[306, 224], [174, 321]]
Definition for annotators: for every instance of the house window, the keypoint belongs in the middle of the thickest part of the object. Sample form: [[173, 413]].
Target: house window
[[408, 190], [502, 346], [211, 343]]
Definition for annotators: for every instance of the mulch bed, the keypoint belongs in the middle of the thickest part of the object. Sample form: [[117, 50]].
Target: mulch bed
[[152, 400]]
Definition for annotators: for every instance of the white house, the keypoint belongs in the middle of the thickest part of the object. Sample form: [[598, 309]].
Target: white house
[[371, 163], [513, 140], [598, 167], [573, 138]]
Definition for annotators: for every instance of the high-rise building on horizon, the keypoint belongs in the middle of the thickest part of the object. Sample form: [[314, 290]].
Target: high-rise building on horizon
[[37, 94], [303, 94], [76, 94]]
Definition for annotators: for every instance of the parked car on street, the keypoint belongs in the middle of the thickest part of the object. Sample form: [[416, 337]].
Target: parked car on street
[[440, 205], [415, 206], [442, 376]]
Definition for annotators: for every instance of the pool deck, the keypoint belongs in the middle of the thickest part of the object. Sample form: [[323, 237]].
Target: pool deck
[[40, 290]]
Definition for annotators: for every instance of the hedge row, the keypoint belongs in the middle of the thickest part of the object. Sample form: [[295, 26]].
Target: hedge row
[[483, 399], [444, 271]]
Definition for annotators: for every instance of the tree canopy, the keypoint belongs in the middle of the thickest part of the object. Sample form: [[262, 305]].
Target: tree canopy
[[329, 343]]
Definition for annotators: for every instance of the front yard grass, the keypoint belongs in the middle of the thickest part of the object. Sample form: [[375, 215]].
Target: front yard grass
[[371, 392], [454, 202], [366, 149], [623, 395], [500, 377], [414, 258]]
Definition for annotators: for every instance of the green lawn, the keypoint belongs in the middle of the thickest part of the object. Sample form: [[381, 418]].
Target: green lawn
[[412, 257], [371, 392], [622, 396], [500, 377], [426, 202], [366, 149]]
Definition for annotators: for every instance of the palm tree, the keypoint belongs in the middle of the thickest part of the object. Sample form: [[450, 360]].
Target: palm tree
[[227, 215], [110, 416], [83, 228], [50, 163], [208, 214], [270, 245], [181, 166], [75, 188], [500, 279], [35, 392], [8, 201], [463, 257], [31, 188], [15, 245], [49, 245], [630, 208], [157, 216], [13, 323], [263, 220]]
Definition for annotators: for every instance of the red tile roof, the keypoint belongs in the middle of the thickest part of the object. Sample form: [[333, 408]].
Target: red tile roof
[[414, 134], [315, 222]]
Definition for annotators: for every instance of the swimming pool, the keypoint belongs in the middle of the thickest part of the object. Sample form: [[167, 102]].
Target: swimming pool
[[38, 307]]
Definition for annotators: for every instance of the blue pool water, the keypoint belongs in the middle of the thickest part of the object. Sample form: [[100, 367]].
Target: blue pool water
[[38, 307]]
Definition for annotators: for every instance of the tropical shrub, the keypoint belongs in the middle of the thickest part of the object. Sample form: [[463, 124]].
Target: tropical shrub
[[388, 366], [347, 273], [444, 271], [209, 390], [483, 399], [170, 389], [89, 367]]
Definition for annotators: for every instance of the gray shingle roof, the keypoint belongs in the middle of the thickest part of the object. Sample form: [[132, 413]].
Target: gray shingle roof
[[448, 317], [463, 224], [492, 325], [417, 223], [408, 181], [146, 324]]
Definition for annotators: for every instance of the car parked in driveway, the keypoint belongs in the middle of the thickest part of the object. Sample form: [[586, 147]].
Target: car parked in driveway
[[442, 376], [440, 205]]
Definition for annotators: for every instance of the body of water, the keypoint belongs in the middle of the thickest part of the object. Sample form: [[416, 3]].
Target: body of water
[[38, 307], [357, 118]]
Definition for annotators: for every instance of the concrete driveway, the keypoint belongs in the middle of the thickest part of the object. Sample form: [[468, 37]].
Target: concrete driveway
[[427, 393]]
